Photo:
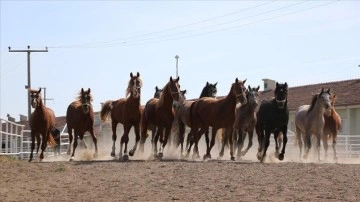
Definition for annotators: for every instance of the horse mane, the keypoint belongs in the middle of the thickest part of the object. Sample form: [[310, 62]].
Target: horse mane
[[313, 101], [77, 102], [130, 84], [162, 95]]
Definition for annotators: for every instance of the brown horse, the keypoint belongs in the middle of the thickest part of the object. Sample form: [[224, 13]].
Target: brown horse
[[217, 113], [42, 121], [331, 128], [184, 119], [80, 118], [126, 111], [245, 121], [160, 112], [309, 119]]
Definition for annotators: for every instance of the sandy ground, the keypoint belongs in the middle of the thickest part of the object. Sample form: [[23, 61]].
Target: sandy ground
[[143, 178]]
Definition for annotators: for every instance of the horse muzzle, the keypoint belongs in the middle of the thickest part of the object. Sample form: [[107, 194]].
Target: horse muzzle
[[280, 103], [241, 99], [86, 108]]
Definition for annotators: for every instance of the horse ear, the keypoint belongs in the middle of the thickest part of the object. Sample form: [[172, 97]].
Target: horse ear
[[277, 84], [156, 88], [171, 78], [257, 89], [207, 83], [328, 91], [89, 90], [131, 75], [244, 81], [137, 74], [82, 90], [249, 87], [39, 90], [184, 92], [322, 90], [215, 84], [178, 78], [236, 80]]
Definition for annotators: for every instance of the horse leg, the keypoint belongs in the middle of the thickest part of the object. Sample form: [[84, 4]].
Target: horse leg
[[95, 142], [334, 144], [223, 142], [276, 135], [113, 126], [229, 132], [70, 140], [137, 138], [266, 143], [212, 142], [76, 136], [260, 134], [240, 142], [298, 136], [285, 139], [307, 143], [190, 142], [181, 137], [165, 140], [159, 135], [207, 140], [124, 139], [324, 138], [144, 127], [32, 145], [251, 134], [318, 140], [38, 141], [44, 135]]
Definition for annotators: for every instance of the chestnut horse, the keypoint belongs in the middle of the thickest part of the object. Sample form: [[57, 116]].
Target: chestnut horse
[[80, 118], [160, 112], [273, 117], [245, 121], [184, 119], [42, 122], [126, 111], [217, 113], [309, 119], [331, 128]]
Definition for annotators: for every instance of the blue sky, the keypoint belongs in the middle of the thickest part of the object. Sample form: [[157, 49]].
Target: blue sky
[[96, 44]]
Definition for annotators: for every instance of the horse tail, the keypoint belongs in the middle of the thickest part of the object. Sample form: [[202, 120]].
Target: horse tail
[[51, 140], [107, 107], [296, 135]]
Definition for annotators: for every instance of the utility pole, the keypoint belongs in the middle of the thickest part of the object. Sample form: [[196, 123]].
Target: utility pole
[[28, 51], [45, 96], [177, 62]]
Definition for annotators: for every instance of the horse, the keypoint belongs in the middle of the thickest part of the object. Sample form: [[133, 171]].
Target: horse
[[309, 119], [183, 116], [126, 111], [331, 128], [245, 121], [160, 112], [273, 117], [42, 122], [80, 118], [217, 113]]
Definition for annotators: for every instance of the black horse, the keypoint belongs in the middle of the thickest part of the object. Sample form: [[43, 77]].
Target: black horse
[[273, 117]]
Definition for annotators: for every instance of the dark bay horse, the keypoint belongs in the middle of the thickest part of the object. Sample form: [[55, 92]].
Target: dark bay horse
[[160, 112], [184, 118], [126, 111], [331, 128], [273, 117], [217, 113], [80, 118], [245, 121], [309, 119], [42, 122]]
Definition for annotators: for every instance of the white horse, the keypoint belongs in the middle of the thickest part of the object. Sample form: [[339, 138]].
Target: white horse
[[309, 119]]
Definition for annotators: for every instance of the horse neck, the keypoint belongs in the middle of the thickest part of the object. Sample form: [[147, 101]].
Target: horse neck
[[318, 110], [230, 98], [40, 108]]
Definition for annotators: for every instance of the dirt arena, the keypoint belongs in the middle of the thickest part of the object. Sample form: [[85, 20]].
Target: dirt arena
[[145, 179]]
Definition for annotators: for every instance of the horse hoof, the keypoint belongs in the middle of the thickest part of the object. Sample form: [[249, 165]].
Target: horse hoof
[[125, 158], [131, 152], [160, 155], [112, 154], [71, 159], [232, 158], [281, 157], [258, 155], [221, 154]]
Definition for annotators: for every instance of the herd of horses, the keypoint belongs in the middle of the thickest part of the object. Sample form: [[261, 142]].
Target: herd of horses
[[168, 113]]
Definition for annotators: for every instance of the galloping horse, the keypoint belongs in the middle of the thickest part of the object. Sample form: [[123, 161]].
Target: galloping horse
[[273, 117], [309, 119], [331, 128], [80, 117], [217, 113], [160, 112], [245, 121], [126, 111], [184, 119], [42, 121]]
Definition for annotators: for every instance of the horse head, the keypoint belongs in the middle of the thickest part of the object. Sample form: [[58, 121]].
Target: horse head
[[134, 86], [280, 92], [209, 90], [239, 90], [325, 98], [252, 95], [158, 92], [35, 97], [85, 99], [174, 89]]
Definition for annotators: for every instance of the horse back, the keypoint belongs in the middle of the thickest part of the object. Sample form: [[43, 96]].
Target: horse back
[[184, 112]]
